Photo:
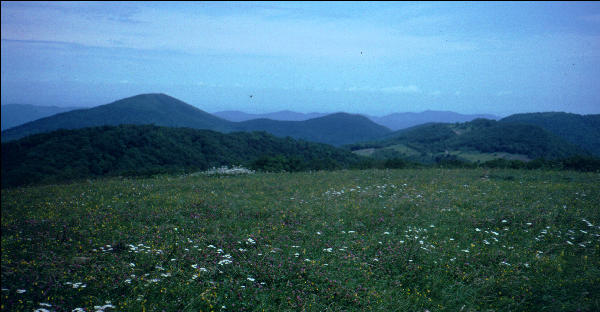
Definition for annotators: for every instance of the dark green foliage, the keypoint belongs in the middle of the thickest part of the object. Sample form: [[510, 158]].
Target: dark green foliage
[[581, 130], [575, 163], [480, 135], [514, 138], [143, 150]]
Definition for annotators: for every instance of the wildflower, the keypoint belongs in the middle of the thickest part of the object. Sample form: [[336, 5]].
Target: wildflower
[[386, 233], [477, 229], [318, 233], [132, 265], [224, 261], [20, 291], [250, 279], [328, 249]]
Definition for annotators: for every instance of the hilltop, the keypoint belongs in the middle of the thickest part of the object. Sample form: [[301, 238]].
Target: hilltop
[[164, 110], [478, 140], [581, 130]]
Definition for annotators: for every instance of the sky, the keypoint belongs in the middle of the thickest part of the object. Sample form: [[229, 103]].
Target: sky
[[371, 58]]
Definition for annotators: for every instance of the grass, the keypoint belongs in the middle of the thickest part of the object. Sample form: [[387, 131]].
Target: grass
[[381, 240]]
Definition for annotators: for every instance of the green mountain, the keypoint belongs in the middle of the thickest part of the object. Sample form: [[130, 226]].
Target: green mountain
[[581, 130], [18, 114], [163, 110], [133, 149], [334, 129], [158, 109], [478, 140]]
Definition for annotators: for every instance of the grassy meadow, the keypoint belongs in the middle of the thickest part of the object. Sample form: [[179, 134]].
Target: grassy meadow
[[371, 240]]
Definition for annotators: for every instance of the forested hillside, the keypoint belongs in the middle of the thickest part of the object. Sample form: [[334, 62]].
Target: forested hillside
[[479, 138], [581, 130], [135, 150]]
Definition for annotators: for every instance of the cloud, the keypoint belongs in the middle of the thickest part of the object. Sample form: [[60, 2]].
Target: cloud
[[395, 89], [402, 89], [197, 30]]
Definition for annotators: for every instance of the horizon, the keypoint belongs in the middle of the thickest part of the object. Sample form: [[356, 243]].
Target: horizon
[[284, 110], [359, 58]]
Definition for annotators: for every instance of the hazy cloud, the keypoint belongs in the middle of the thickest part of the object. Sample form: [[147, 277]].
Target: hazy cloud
[[395, 89]]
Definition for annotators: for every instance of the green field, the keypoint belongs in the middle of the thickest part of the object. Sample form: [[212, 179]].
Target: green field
[[384, 240]]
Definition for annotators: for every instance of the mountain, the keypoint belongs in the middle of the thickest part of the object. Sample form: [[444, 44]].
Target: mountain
[[18, 114], [397, 121], [581, 130], [478, 140], [141, 149], [158, 109], [285, 115], [163, 110], [334, 129]]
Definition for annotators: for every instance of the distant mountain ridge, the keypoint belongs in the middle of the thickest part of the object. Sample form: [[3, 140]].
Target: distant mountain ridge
[[284, 115], [394, 121], [163, 110], [17, 114], [397, 121]]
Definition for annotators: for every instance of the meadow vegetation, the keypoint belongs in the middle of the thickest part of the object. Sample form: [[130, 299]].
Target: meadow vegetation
[[385, 240]]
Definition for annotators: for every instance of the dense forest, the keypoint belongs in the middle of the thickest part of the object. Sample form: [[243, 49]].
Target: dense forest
[[581, 130], [146, 149], [134, 150], [479, 135]]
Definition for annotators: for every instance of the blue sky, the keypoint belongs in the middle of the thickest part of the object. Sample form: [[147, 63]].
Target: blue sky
[[359, 57]]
